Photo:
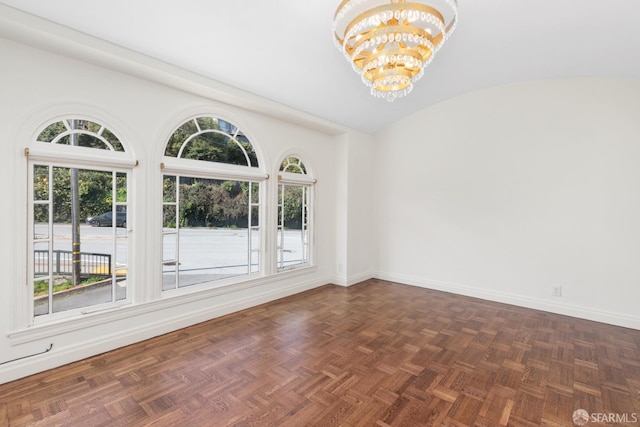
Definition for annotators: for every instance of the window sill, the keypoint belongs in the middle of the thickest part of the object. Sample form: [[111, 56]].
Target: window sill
[[88, 320]]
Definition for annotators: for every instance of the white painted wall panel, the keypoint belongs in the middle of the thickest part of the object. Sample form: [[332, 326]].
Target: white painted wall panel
[[505, 192], [36, 86]]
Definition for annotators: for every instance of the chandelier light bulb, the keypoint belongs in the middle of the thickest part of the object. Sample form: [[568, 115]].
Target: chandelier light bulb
[[389, 43]]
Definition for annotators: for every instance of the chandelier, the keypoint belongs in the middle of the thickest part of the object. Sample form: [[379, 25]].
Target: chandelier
[[389, 43]]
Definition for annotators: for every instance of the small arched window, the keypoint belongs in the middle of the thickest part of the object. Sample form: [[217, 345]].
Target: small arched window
[[295, 214], [293, 165], [211, 205], [78, 243]]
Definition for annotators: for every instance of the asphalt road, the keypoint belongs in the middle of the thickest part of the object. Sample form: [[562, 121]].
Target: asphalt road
[[92, 240]]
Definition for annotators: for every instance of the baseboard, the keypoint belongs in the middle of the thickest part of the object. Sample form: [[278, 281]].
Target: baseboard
[[347, 281], [85, 349], [617, 319]]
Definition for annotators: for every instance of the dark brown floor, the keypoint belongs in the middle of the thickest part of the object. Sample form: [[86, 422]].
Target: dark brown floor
[[374, 354]]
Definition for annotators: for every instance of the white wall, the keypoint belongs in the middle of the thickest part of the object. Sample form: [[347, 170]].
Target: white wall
[[506, 192], [354, 173], [360, 234], [36, 86]]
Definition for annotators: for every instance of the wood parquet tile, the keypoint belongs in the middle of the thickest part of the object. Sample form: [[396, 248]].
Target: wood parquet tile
[[375, 354]]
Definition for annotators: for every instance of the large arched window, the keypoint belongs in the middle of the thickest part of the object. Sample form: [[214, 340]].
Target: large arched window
[[295, 214], [78, 237], [211, 205]]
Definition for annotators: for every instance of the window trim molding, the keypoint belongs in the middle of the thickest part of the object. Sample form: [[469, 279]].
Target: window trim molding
[[204, 169], [295, 179], [82, 156]]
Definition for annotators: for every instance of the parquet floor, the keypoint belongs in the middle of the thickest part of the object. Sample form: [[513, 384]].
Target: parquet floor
[[375, 354]]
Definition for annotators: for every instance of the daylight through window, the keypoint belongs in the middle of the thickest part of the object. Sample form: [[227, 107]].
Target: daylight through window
[[78, 216], [211, 205], [294, 214]]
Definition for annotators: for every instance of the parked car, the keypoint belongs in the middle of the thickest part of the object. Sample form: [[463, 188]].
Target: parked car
[[106, 219]]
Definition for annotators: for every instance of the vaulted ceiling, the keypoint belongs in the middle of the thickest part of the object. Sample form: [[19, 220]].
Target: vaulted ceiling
[[283, 49]]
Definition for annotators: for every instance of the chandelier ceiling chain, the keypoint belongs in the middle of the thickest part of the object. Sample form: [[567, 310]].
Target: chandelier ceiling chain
[[389, 43]]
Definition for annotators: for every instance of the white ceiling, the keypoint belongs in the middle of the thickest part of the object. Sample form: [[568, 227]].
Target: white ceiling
[[283, 49]]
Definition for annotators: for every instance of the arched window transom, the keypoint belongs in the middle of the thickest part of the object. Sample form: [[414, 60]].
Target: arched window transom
[[212, 140], [293, 165], [81, 133]]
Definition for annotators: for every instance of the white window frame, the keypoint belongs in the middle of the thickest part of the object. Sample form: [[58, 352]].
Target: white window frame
[[307, 183], [74, 157], [179, 167]]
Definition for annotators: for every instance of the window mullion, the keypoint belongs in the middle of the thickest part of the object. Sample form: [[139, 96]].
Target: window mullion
[[52, 242], [114, 238], [257, 205], [176, 281], [281, 226], [302, 224], [305, 241], [249, 246]]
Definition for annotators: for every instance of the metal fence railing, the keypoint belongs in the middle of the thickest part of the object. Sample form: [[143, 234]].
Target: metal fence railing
[[90, 264]]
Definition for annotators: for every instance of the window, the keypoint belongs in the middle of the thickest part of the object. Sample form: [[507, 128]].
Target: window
[[294, 214], [211, 205], [78, 192]]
